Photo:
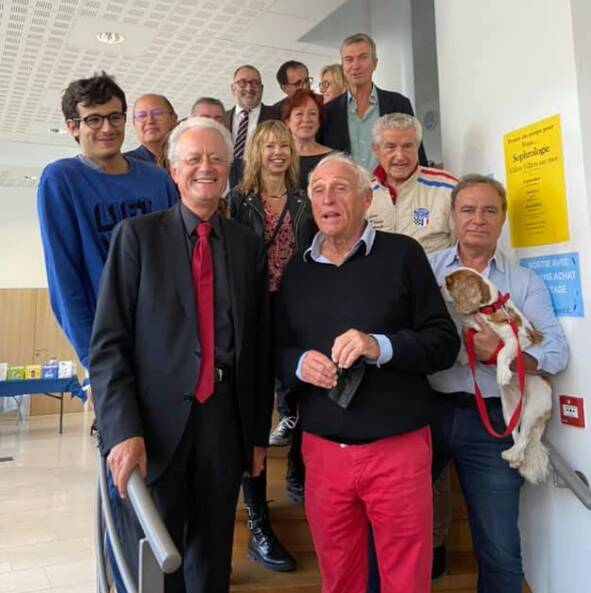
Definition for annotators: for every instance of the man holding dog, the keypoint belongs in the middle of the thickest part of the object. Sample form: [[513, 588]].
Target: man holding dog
[[490, 486]]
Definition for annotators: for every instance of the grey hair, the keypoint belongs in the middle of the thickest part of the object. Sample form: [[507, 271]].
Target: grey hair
[[361, 38], [202, 123], [208, 101], [476, 179], [396, 121], [362, 176], [247, 67]]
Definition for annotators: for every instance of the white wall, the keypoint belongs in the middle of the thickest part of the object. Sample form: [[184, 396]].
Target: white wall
[[391, 29], [21, 257], [426, 81], [503, 65]]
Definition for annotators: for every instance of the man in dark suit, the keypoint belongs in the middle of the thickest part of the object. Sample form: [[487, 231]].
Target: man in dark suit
[[247, 114], [179, 359], [291, 76], [349, 119]]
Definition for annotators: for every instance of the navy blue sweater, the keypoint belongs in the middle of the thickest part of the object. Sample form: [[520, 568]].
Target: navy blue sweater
[[390, 291]]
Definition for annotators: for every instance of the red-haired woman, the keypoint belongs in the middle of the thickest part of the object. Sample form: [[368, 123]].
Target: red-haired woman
[[302, 113]]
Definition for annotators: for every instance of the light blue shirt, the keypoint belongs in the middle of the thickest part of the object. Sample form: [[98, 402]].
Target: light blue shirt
[[365, 241], [360, 129], [530, 295]]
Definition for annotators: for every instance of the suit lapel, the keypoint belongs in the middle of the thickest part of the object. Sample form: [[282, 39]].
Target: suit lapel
[[179, 261], [236, 271], [343, 126], [383, 103], [230, 118]]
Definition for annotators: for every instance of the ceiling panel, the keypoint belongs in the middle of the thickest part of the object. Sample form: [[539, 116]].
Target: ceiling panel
[[181, 48]]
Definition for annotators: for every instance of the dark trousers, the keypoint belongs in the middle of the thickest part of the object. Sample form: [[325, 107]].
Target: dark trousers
[[286, 402], [490, 487], [197, 496], [287, 405], [255, 489]]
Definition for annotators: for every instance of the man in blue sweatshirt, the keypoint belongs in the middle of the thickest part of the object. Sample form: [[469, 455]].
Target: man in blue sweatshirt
[[81, 199]]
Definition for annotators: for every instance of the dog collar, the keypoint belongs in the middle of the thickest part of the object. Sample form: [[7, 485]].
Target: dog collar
[[498, 304]]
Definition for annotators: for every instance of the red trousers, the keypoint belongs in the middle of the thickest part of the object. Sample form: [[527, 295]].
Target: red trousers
[[387, 483]]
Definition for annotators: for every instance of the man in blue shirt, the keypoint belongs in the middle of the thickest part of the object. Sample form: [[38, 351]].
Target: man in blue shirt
[[348, 120], [490, 486]]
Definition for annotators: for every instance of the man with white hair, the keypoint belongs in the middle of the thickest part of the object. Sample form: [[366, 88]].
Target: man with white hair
[[414, 200], [362, 310], [407, 197], [179, 359]]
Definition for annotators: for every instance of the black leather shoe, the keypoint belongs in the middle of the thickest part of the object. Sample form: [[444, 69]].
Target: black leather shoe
[[263, 545], [439, 563]]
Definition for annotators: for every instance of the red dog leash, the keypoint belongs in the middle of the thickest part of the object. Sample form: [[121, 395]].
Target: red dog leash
[[520, 375]]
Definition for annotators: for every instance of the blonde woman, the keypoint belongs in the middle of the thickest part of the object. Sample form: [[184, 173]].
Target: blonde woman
[[332, 82], [268, 200]]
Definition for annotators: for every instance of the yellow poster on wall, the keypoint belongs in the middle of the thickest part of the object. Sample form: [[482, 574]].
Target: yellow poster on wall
[[536, 193]]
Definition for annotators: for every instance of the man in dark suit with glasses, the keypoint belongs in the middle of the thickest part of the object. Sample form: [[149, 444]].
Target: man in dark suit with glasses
[[247, 89]]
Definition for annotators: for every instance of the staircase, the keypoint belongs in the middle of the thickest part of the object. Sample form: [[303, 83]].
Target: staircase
[[289, 523]]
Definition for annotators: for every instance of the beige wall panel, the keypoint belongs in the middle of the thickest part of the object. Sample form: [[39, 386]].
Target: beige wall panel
[[17, 325], [51, 342]]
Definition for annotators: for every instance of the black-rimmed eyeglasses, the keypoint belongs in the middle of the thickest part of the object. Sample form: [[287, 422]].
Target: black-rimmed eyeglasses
[[302, 84], [95, 121]]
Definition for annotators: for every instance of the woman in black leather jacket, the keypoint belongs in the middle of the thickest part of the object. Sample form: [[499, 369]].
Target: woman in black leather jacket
[[268, 186], [269, 201]]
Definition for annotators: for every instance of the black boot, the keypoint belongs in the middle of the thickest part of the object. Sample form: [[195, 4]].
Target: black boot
[[263, 545]]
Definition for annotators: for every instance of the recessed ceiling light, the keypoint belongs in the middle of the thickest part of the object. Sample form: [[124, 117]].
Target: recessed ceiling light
[[30, 177], [110, 38], [57, 131]]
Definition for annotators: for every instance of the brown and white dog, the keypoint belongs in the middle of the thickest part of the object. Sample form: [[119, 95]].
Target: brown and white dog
[[473, 294]]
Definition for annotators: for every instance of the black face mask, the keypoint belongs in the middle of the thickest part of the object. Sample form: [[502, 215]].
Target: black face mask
[[348, 381]]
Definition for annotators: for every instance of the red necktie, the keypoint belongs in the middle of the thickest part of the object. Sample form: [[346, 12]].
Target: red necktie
[[202, 266]]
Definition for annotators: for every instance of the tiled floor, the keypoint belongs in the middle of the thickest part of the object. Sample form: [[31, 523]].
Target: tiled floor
[[46, 505]]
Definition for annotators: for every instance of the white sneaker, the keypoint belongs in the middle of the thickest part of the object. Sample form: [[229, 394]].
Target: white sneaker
[[282, 434]]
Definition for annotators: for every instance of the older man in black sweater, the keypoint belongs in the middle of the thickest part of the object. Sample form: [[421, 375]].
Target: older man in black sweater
[[365, 301]]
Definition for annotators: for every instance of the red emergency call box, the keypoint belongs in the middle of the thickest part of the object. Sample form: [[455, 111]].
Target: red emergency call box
[[572, 410]]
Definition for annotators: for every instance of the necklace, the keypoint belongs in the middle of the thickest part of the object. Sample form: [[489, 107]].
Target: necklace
[[276, 196]]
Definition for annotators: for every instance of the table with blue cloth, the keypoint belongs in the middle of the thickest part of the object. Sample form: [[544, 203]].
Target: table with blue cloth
[[55, 388]]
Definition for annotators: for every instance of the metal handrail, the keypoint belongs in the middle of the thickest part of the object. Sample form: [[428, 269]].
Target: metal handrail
[[161, 544], [163, 547], [99, 540], [572, 479], [116, 547]]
